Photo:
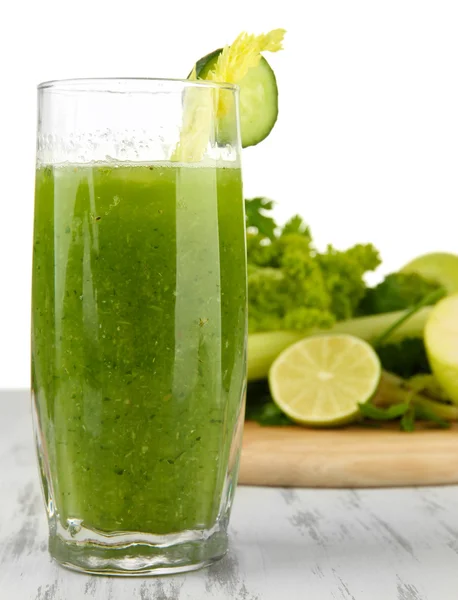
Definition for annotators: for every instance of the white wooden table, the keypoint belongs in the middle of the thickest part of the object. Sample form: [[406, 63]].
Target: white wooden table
[[286, 544]]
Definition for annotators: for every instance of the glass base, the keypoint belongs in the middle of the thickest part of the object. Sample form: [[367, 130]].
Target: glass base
[[136, 554]]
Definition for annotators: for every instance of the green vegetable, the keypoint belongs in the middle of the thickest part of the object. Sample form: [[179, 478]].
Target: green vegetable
[[397, 291], [258, 98], [257, 219], [293, 286], [395, 411], [423, 413], [263, 348], [405, 358], [296, 291], [408, 412], [261, 408], [408, 420], [429, 386], [398, 398], [430, 298]]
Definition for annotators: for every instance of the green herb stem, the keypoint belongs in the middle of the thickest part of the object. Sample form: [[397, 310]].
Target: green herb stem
[[429, 299], [394, 390]]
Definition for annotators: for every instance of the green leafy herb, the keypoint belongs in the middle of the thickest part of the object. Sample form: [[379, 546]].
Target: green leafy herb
[[427, 384], [257, 219], [261, 408], [405, 358], [296, 225], [389, 413], [270, 414], [397, 291], [291, 285], [408, 420], [426, 414], [398, 399]]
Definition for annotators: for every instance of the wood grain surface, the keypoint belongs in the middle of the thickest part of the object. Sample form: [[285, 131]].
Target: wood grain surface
[[292, 544], [349, 457]]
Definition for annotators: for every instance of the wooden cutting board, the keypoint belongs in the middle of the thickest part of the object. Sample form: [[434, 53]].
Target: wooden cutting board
[[348, 457]]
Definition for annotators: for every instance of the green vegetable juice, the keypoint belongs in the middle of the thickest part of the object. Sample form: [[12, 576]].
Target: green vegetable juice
[[138, 341]]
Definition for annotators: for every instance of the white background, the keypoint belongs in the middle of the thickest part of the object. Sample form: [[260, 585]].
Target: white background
[[366, 146]]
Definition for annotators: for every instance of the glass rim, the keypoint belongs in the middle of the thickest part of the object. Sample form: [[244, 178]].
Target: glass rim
[[129, 84]]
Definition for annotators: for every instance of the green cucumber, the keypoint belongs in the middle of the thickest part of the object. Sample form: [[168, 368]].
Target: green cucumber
[[258, 98]]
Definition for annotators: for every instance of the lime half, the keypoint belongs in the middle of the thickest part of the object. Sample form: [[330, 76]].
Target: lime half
[[321, 380], [441, 340]]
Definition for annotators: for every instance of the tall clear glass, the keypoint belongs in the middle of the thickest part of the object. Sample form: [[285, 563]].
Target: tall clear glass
[[138, 321]]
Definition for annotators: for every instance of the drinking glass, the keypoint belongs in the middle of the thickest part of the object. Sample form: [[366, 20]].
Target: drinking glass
[[139, 317]]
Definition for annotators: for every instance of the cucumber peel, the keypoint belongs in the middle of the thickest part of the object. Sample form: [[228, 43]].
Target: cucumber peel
[[258, 97]]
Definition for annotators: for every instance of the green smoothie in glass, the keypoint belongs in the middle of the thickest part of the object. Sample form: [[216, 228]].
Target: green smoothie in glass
[[139, 308]]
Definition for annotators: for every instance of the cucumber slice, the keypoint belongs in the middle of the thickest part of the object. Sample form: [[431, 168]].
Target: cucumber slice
[[258, 98]]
